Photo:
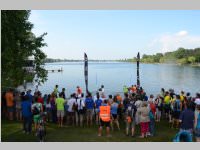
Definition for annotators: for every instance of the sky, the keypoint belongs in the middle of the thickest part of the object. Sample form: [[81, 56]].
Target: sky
[[115, 34]]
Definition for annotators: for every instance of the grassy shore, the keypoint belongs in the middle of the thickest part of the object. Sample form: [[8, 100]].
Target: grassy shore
[[12, 132]]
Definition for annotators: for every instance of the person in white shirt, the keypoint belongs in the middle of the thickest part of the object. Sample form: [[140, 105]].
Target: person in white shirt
[[81, 110], [71, 112]]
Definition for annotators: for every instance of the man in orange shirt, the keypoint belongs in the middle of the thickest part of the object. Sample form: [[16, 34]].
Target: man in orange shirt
[[10, 103], [105, 118]]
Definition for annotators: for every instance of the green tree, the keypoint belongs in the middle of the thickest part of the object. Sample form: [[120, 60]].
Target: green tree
[[182, 61], [18, 43], [191, 59]]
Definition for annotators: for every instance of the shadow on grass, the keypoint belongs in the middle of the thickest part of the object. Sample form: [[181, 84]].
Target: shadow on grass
[[12, 132]]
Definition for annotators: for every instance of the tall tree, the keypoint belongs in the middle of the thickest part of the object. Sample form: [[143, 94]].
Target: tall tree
[[18, 43]]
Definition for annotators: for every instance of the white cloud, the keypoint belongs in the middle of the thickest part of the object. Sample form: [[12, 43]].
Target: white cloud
[[182, 33], [169, 42]]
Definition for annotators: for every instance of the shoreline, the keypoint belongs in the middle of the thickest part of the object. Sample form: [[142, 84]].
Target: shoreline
[[111, 61]]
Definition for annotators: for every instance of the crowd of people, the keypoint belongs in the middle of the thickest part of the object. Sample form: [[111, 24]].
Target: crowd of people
[[133, 108]]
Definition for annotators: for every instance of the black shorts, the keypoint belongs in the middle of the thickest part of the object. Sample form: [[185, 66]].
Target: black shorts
[[102, 123], [176, 114], [167, 108], [114, 116]]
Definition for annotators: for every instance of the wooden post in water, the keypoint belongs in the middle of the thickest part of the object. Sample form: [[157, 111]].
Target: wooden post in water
[[138, 65]]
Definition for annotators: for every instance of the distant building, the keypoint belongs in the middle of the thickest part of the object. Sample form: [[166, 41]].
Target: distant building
[[30, 65]]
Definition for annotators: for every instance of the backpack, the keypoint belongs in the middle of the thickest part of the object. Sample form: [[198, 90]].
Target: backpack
[[131, 110], [36, 111], [75, 106], [177, 106], [151, 116]]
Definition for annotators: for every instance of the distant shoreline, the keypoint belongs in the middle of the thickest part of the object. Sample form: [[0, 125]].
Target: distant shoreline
[[174, 64]]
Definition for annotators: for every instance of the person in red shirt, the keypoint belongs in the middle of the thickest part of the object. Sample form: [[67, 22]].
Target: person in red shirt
[[78, 90], [40, 99]]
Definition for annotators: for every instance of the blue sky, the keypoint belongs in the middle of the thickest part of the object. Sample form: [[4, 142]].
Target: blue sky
[[115, 34]]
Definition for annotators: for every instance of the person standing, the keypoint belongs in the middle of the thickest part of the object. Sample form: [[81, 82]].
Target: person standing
[[71, 110], [81, 110], [105, 118], [152, 112], [30, 97], [98, 103], [177, 108], [143, 113], [53, 108], [63, 93], [187, 119], [114, 119], [10, 103], [158, 103], [167, 106], [60, 109], [89, 103], [197, 123], [18, 102], [26, 114], [130, 118], [78, 91], [55, 91], [37, 109]]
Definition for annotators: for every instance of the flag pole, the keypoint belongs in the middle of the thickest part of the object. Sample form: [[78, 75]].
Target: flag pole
[[138, 65], [86, 71]]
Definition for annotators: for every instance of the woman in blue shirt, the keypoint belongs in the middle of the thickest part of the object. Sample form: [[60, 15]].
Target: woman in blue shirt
[[114, 108]]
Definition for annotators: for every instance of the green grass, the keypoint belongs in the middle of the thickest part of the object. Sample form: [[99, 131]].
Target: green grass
[[12, 132]]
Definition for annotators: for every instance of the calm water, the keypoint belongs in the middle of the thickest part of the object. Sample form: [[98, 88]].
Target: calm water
[[115, 75]]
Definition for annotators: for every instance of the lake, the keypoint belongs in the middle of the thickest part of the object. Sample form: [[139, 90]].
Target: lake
[[114, 75]]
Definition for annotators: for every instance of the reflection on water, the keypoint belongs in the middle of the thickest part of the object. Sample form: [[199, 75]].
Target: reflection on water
[[115, 75]]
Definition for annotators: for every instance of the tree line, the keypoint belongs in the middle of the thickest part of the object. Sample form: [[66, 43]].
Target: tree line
[[180, 56]]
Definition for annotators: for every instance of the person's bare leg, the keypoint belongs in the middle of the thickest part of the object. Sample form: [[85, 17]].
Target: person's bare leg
[[100, 131], [108, 131], [91, 120], [197, 139], [127, 129], [133, 131], [97, 119], [177, 123], [117, 123], [87, 120], [61, 123], [142, 135]]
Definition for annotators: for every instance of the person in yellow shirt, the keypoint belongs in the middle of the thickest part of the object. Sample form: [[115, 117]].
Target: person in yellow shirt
[[167, 107], [182, 96]]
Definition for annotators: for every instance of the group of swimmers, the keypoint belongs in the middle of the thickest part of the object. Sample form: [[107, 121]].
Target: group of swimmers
[[134, 107]]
